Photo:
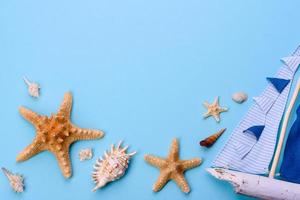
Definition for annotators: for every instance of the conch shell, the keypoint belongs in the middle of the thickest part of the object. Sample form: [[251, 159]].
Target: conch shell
[[15, 180], [209, 141], [112, 167], [33, 88]]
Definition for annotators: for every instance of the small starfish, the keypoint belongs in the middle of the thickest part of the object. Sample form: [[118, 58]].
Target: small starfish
[[171, 168], [214, 109], [55, 134]]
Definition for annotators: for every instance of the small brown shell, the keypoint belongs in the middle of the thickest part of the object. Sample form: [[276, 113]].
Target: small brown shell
[[209, 141]]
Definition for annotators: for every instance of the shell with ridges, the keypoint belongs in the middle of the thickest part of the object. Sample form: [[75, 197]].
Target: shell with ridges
[[15, 180], [85, 154], [239, 97], [112, 166]]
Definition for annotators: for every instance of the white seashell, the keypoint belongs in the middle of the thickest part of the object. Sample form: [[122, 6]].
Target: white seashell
[[239, 97], [33, 88], [15, 180], [112, 167], [85, 154]]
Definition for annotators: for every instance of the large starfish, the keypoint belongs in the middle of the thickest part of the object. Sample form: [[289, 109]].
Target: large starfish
[[214, 109], [172, 168], [55, 134]]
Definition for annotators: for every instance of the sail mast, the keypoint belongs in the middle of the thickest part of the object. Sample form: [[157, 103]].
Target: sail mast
[[283, 130]]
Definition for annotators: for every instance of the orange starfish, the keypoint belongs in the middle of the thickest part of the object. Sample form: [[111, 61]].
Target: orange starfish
[[172, 168], [55, 134]]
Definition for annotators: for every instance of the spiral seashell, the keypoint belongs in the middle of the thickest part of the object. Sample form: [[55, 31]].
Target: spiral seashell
[[15, 180], [33, 88], [239, 97], [209, 141], [112, 166]]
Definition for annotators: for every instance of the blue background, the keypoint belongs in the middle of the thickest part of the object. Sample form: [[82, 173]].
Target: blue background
[[140, 71]]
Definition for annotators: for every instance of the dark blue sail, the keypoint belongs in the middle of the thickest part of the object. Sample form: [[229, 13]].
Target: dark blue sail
[[290, 167]]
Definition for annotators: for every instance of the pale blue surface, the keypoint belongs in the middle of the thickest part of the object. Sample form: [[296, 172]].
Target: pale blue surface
[[140, 71]]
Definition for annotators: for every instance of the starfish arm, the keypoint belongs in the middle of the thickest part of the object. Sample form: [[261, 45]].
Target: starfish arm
[[64, 162], [181, 182], [217, 117], [84, 134], [161, 181], [174, 150], [206, 115], [223, 109], [206, 104], [66, 106], [216, 101], [155, 161], [188, 164], [31, 150], [29, 115]]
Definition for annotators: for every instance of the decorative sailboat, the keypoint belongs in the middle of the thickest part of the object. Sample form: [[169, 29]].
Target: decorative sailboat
[[245, 159]]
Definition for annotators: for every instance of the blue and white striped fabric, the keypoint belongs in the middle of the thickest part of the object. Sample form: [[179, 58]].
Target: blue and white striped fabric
[[251, 146]]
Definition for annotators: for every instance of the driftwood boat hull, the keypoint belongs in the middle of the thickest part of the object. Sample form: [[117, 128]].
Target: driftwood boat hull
[[258, 186]]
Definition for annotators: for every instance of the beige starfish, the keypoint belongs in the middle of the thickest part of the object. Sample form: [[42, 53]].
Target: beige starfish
[[55, 134], [214, 109], [171, 168]]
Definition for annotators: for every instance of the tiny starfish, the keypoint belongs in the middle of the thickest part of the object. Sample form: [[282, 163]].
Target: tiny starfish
[[214, 109], [171, 168], [55, 134]]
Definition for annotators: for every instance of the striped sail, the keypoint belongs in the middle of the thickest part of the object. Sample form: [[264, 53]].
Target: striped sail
[[251, 146]]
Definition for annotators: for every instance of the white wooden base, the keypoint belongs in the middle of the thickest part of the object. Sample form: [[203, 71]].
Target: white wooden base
[[258, 186]]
